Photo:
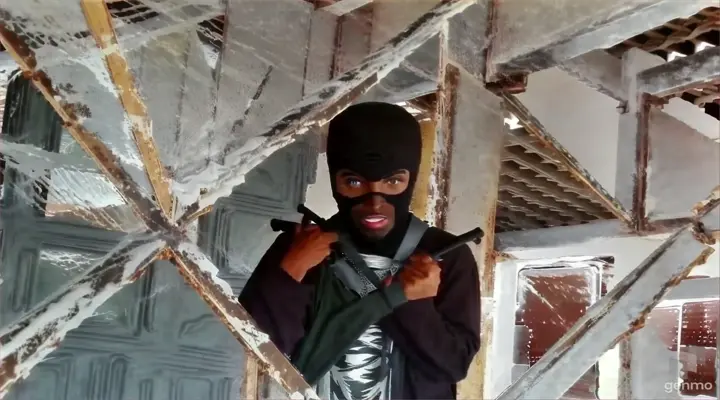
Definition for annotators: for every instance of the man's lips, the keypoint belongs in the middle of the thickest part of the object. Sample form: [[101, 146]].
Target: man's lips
[[375, 221]]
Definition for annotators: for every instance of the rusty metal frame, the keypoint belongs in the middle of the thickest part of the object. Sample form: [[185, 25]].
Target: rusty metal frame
[[623, 310], [99, 21], [30, 346]]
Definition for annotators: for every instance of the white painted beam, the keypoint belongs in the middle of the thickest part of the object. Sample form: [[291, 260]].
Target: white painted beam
[[535, 38], [682, 73], [565, 236], [343, 7]]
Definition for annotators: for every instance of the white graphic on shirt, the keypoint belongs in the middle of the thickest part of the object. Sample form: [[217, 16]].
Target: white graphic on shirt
[[363, 373]]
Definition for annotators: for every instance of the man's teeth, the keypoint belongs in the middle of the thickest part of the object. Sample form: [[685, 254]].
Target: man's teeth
[[374, 220]]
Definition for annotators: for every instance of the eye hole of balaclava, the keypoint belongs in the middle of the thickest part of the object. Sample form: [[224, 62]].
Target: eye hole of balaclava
[[374, 140]]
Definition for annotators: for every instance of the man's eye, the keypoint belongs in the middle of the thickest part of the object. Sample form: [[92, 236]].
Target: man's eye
[[353, 182], [394, 181]]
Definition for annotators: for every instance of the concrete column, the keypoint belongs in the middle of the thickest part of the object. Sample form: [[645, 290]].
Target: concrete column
[[463, 155]]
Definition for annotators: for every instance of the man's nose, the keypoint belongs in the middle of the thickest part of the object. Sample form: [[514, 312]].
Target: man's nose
[[375, 202]]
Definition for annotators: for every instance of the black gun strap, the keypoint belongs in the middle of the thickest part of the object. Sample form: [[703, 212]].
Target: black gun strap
[[355, 260]]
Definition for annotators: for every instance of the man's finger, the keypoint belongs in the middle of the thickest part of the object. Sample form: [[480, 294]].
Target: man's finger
[[331, 237], [312, 228], [305, 220]]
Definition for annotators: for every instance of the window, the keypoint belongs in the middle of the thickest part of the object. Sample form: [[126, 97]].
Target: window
[[547, 297], [692, 323]]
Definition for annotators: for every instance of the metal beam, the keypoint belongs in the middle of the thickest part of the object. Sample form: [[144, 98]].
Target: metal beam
[[200, 272], [620, 312], [563, 236], [534, 38], [100, 23], [633, 142], [535, 128], [319, 107], [682, 73], [25, 343]]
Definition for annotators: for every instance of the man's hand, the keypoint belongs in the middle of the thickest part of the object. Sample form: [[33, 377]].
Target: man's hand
[[309, 248], [420, 278]]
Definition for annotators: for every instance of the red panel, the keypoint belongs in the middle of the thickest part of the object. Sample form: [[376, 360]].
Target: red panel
[[698, 347], [699, 323], [551, 303]]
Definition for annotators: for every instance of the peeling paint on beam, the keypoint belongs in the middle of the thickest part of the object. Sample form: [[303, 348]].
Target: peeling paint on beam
[[534, 127], [27, 342], [106, 160], [681, 74], [613, 318], [200, 273], [321, 106], [100, 23], [439, 185]]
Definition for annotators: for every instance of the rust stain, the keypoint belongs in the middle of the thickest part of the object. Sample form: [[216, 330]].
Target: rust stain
[[7, 373], [705, 206], [100, 23], [642, 158], [446, 110]]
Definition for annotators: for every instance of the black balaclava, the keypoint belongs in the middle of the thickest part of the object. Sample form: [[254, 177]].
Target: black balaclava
[[374, 140]]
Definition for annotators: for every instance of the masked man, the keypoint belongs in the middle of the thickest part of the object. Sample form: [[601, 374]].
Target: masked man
[[360, 308]]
